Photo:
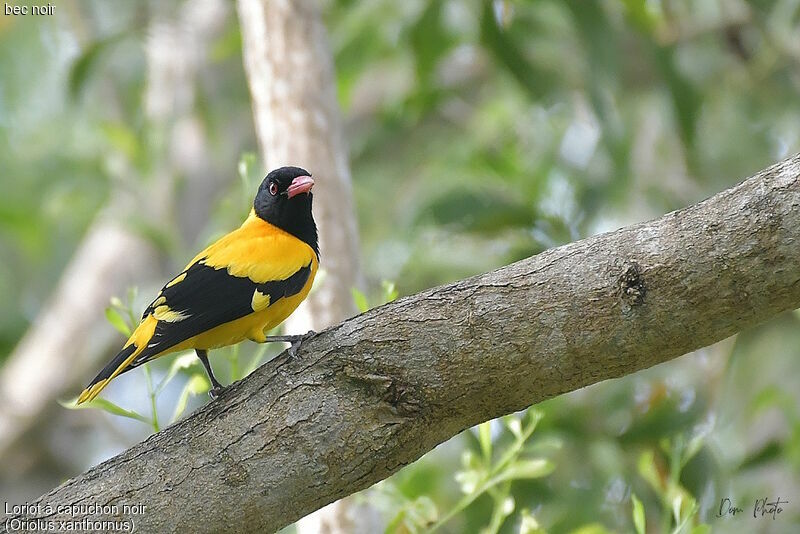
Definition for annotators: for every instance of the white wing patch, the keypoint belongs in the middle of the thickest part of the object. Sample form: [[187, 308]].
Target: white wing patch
[[165, 313]]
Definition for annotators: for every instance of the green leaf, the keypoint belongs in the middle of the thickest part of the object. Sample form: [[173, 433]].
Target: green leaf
[[684, 509], [479, 211], [485, 439], [591, 528], [468, 481], [87, 62], [246, 168], [122, 139], [598, 36], [528, 523], [773, 396], [256, 360], [503, 12], [360, 299], [182, 361], [533, 416], [470, 460], [196, 385], [638, 514], [686, 100], [768, 453], [389, 291], [425, 510], [394, 524], [647, 470], [640, 16], [429, 40], [246, 163], [701, 529], [526, 469], [677, 503], [131, 295], [228, 44], [507, 506], [105, 405], [116, 320], [536, 80], [692, 448], [514, 425]]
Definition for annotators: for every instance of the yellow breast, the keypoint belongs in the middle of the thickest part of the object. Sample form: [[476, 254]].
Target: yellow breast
[[263, 253]]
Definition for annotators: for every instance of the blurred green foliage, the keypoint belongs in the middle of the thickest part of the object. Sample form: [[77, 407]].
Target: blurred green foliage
[[480, 132]]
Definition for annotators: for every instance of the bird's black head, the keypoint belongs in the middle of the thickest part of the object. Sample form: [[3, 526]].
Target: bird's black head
[[284, 200]]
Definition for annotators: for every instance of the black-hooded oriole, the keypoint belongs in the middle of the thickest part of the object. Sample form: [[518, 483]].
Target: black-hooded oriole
[[242, 285]]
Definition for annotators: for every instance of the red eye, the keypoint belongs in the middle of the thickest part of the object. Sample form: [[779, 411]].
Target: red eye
[[273, 188]]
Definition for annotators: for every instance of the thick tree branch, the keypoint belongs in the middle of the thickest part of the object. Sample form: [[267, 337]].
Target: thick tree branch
[[374, 393]]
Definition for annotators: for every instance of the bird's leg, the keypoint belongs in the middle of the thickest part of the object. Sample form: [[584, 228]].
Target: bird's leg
[[295, 340], [217, 387]]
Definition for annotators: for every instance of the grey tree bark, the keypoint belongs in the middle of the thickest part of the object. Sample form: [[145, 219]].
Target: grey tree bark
[[374, 393], [290, 72]]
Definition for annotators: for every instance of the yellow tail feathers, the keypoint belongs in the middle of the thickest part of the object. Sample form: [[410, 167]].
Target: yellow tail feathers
[[127, 355], [133, 348]]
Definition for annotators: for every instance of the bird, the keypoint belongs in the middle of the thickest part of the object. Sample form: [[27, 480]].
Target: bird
[[242, 285]]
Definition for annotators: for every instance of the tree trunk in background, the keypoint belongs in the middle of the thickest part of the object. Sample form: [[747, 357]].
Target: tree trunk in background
[[69, 334], [290, 72], [69, 337]]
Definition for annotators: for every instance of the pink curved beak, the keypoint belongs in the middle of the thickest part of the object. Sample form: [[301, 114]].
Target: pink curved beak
[[301, 184]]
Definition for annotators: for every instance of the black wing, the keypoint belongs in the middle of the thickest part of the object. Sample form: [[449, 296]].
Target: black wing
[[203, 297]]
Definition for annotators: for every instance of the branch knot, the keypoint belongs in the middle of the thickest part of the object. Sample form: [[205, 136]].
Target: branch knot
[[632, 289]]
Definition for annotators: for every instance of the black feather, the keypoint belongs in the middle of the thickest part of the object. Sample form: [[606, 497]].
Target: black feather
[[211, 297]]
